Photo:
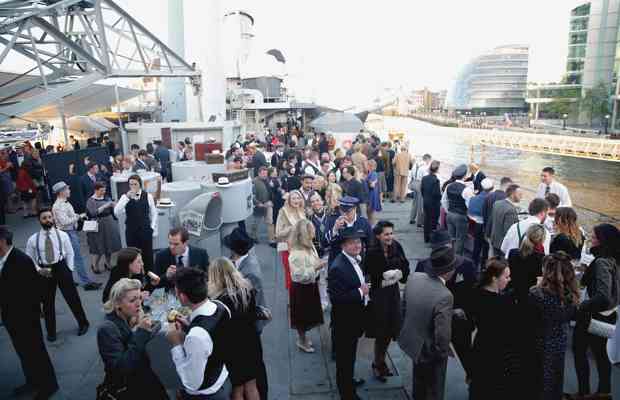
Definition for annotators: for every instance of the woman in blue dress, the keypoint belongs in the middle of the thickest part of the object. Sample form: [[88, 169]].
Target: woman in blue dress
[[374, 191]]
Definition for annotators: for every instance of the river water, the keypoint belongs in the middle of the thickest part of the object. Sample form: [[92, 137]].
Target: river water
[[594, 185]]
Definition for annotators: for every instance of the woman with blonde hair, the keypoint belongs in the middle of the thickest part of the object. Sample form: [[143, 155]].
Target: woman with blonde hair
[[292, 212], [333, 192], [526, 261], [243, 357], [305, 265], [128, 373], [570, 237]]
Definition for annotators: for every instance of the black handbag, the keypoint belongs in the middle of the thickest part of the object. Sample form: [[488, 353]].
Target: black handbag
[[110, 391]]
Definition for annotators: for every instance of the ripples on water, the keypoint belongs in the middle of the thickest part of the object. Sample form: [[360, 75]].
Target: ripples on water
[[592, 184]]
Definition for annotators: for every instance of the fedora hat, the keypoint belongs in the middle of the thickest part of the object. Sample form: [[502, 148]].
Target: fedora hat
[[444, 260], [238, 241], [440, 238], [351, 233]]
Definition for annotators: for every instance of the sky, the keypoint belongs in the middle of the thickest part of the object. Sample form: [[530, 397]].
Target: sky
[[343, 53]]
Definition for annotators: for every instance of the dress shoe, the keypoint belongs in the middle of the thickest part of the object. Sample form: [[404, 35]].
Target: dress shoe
[[46, 394], [83, 329], [51, 338], [358, 382], [22, 390], [92, 286]]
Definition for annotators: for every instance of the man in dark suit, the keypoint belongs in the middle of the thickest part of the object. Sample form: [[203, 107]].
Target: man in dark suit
[[477, 176], [179, 254], [162, 154], [89, 179], [20, 315], [247, 264], [347, 217], [427, 325], [258, 159], [348, 293]]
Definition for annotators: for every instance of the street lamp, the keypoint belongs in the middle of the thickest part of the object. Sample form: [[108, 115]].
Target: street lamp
[[564, 117], [606, 123]]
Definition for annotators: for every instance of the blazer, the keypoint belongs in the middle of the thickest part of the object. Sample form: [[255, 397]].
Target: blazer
[[402, 163], [251, 270], [343, 287], [427, 324], [88, 186], [19, 274], [477, 180], [504, 215], [198, 258]]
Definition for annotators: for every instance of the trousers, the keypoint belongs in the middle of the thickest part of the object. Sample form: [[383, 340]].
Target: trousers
[[400, 187], [78, 261], [457, 228], [429, 380], [346, 351], [417, 209], [63, 279], [431, 219]]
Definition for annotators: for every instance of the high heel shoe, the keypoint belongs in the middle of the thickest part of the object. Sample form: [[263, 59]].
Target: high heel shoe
[[378, 373], [95, 271]]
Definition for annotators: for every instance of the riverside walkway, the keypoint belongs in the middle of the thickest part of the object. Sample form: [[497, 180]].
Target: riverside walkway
[[292, 374]]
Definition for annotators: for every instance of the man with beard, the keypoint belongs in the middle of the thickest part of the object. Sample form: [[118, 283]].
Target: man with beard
[[51, 251]]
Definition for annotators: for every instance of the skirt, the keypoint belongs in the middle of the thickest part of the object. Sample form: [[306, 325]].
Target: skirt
[[383, 313], [305, 301]]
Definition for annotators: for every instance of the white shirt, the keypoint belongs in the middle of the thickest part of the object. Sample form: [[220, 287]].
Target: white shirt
[[67, 249], [190, 358], [467, 194], [556, 188], [422, 171], [511, 240], [360, 275], [119, 208], [64, 215], [239, 260], [3, 259], [308, 164], [185, 256]]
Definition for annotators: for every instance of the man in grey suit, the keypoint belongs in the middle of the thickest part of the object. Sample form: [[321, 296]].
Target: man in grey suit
[[240, 245], [427, 325], [505, 214]]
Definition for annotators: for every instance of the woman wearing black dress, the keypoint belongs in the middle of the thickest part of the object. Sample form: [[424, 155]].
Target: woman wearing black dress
[[553, 304], [491, 312], [386, 264], [601, 280], [526, 262], [569, 238], [242, 343]]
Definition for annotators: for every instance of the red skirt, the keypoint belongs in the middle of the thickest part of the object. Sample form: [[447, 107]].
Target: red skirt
[[287, 269]]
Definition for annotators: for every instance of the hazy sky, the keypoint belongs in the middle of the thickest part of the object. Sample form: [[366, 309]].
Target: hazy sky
[[344, 52]]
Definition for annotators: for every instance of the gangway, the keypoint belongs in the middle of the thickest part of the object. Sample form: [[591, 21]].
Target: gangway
[[573, 146]]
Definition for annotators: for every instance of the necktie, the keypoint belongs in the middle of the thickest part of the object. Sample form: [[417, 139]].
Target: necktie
[[49, 248], [180, 262], [547, 190]]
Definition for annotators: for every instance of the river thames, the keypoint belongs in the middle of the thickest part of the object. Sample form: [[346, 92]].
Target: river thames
[[594, 185]]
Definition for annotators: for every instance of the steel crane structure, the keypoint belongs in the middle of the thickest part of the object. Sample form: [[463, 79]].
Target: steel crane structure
[[75, 43]]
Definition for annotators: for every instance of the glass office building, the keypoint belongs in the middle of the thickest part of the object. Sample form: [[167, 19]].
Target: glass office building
[[493, 83]]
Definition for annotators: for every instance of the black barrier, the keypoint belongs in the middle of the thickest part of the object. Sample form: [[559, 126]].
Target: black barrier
[[58, 166]]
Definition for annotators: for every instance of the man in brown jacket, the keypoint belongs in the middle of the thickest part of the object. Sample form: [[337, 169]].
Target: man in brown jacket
[[402, 164]]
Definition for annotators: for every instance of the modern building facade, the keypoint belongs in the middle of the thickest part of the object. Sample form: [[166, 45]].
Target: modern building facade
[[494, 83]]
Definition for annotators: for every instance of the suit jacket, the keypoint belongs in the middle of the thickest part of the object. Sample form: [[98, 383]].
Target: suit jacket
[[139, 164], [251, 270], [427, 325], [402, 163], [19, 274], [503, 216], [88, 186], [198, 258], [343, 286], [477, 180], [162, 154]]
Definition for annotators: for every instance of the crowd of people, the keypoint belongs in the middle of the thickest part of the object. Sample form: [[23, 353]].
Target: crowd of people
[[499, 290]]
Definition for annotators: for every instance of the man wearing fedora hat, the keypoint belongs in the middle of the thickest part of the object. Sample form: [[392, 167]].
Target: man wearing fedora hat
[[348, 293], [247, 264], [427, 325], [462, 285]]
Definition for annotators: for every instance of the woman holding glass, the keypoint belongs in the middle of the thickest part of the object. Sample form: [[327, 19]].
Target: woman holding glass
[[122, 339], [129, 265]]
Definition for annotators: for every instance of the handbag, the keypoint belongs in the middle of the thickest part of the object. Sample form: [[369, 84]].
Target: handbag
[[110, 391], [91, 226]]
